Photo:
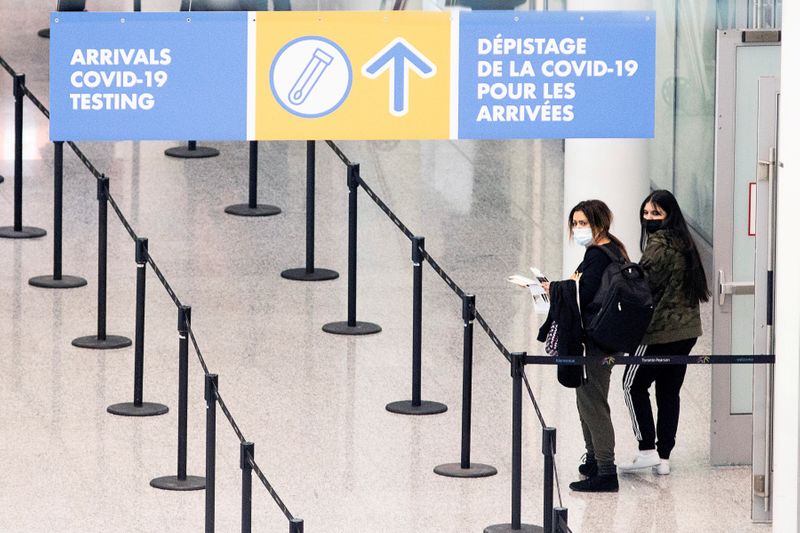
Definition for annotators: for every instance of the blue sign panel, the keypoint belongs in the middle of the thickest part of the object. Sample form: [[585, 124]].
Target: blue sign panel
[[556, 74], [148, 76]]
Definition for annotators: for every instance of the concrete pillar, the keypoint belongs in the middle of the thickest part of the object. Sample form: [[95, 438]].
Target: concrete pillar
[[613, 170], [787, 289]]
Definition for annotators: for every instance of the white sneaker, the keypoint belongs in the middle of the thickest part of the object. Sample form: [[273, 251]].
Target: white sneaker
[[644, 459], [662, 469]]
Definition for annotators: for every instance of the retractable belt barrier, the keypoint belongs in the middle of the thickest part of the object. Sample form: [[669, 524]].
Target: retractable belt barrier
[[554, 518], [186, 334]]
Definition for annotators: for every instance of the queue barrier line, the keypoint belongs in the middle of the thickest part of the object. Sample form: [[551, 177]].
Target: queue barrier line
[[295, 524]]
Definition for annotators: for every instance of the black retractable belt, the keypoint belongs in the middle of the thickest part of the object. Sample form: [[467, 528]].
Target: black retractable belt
[[191, 151], [101, 341], [246, 455], [57, 280], [310, 273], [466, 468], [516, 525], [139, 407], [212, 385], [182, 481], [352, 326], [18, 231], [416, 406], [252, 208]]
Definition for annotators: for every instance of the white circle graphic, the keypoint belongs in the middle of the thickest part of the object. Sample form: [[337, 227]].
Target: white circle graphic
[[310, 77]]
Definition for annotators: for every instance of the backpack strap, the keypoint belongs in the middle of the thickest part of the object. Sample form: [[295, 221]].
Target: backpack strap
[[614, 257]]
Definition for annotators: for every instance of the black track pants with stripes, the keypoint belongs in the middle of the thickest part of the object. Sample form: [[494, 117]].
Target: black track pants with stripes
[[636, 383]]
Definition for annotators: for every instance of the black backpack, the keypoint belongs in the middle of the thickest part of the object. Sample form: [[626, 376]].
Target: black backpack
[[624, 307]]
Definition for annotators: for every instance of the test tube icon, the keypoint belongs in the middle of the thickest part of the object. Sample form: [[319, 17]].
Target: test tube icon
[[311, 74]]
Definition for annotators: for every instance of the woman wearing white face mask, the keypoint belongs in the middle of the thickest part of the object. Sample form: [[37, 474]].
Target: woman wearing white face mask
[[589, 223]]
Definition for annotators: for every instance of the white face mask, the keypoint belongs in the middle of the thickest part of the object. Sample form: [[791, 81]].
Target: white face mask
[[583, 236]]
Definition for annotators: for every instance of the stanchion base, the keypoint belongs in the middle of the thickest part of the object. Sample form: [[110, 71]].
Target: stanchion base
[[44, 33], [361, 328], [49, 282], [131, 409], [506, 528], [260, 210], [474, 470], [301, 274], [2, 179], [111, 342], [173, 483], [183, 152], [424, 408], [27, 232]]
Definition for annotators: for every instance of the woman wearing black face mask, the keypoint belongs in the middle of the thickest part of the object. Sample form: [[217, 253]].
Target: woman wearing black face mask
[[678, 282]]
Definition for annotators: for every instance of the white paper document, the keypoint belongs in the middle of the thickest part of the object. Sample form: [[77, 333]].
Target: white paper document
[[541, 300]]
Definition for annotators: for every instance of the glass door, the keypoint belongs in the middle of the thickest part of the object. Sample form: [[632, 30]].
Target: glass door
[[743, 58]]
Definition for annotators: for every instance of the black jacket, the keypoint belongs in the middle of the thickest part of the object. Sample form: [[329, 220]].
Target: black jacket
[[564, 312]]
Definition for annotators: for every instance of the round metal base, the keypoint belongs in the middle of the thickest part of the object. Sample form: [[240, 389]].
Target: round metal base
[[424, 408], [506, 528], [49, 282], [44, 33], [173, 483], [260, 210], [474, 470], [183, 152], [2, 179], [361, 328], [27, 232], [131, 409], [111, 342], [301, 274]]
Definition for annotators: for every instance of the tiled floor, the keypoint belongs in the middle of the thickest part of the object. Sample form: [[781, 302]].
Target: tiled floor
[[313, 403]]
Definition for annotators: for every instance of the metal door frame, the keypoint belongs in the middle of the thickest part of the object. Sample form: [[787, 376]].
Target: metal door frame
[[724, 450], [763, 388]]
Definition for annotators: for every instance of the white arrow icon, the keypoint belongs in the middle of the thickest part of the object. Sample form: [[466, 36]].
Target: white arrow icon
[[398, 57]]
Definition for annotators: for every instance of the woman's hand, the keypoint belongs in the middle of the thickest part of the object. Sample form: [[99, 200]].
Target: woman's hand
[[546, 287]]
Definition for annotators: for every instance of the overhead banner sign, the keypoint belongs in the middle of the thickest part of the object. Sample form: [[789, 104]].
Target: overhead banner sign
[[351, 75]]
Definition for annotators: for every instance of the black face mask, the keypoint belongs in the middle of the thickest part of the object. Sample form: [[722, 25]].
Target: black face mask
[[652, 226]]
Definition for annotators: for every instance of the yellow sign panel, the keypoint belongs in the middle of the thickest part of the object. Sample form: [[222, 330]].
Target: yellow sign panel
[[352, 75]]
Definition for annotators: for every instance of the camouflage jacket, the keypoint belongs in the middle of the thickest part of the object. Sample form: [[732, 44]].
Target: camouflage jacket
[[675, 317]]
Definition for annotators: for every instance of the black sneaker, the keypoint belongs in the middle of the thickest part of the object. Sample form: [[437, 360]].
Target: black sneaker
[[588, 468], [598, 483]]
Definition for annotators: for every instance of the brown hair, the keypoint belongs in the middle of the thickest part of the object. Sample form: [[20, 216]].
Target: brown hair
[[599, 216]]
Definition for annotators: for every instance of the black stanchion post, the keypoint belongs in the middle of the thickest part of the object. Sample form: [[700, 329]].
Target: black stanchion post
[[466, 468], [296, 525], [247, 453], [548, 450], [212, 384], [253, 208], [191, 151], [138, 407], [352, 326], [416, 406], [18, 231], [517, 367], [182, 481], [560, 520], [309, 273], [101, 341], [57, 280], [137, 5]]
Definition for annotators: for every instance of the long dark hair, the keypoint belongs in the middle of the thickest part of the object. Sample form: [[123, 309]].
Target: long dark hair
[[695, 286], [599, 216]]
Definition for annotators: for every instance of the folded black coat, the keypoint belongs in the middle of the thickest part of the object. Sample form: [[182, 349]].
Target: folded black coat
[[564, 311]]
